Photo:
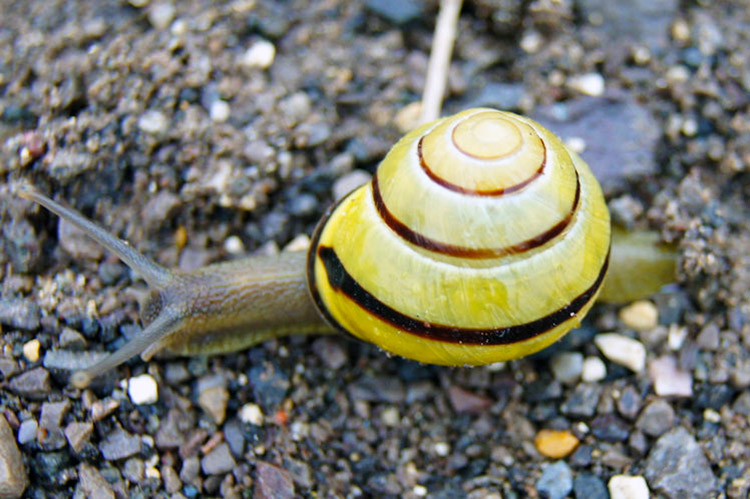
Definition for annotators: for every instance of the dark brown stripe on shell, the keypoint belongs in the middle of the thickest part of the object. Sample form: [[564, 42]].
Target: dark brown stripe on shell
[[478, 192], [429, 244], [341, 281]]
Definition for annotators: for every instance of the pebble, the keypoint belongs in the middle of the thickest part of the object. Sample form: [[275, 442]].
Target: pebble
[[641, 315], [20, 313], [582, 402], [466, 402], [567, 366], [347, 183], [259, 55], [219, 111], [378, 389], [622, 350], [555, 443], [234, 436], [213, 400], [589, 486], [161, 15], [50, 421], [218, 461], [273, 482], [628, 487], [93, 484], [252, 414], [556, 481], [153, 122], [34, 384], [708, 338], [656, 418], [78, 434], [407, 118], [610, 428], [296, 107], [143, 389], [8, 367], [13, 478], [668, 380], [270, 385], [629, 402], [678, 468], [396, 11], [172, 482], [531, 42], [588, 84], [27, 431], [70, 338], [119, 445], [330, 352], [234, 245], [31, 350]]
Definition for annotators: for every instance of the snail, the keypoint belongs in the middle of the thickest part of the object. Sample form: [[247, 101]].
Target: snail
[[481, 238]]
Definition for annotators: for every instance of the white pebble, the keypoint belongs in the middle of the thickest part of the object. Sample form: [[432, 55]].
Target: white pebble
[[179, 27], [593, 370], [567, 366], [301, 242], [390, 416], [153, 122], [251, 413], [27, 431], [31, 350], [576, 144], [234, 246], [622, 350], [641, 315], [420, 491], [668, 380], [143, 389], [676, 336], [531, 42], [220, 111], [138, 3], [442, 449], [628, 487], [260, 55], [588, 84], [161, 15]]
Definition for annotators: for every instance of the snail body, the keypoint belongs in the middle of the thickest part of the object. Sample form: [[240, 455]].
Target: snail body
[[480, 238]]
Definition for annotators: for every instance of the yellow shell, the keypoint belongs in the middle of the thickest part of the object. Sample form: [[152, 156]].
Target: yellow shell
[[481, 238]]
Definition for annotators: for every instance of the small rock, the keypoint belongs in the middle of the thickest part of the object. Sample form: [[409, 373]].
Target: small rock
[[622, 350], [629, 402], [143, 390], [556, 481], [161, 15], [656, 418], [252, 414], [133, 470], [589, 486], [346, 184], [50, 421], [219, 111], [588, 84], [213, 401], [641, 315], [78, 435], [31, 350], [330, 352], [70, 338], [34, 384], [296, 107], [407, 118], [273, 482], [377, 389], [260, 55], [218, 461], [159, 208], [302, 205], [742, 404], [172, 482], [567, 366], [628, 487], [668, 380], [8, 367], [464, 401], [235, 437], [93, 484], [582, 402], [708, 338], [170, 434], [555, 443], [27, 431], [153, 122], [610, 428], [120, 445], [396, 11], [20, 313], [677, 467], [13, 478]]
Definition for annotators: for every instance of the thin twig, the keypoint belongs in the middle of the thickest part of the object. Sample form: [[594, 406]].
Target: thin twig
[[440, 58]]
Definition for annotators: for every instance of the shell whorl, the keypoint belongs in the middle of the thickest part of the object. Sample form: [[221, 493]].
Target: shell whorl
[[480, 238]]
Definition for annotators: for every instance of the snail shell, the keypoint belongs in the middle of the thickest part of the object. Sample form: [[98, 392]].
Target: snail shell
[[481, 238]]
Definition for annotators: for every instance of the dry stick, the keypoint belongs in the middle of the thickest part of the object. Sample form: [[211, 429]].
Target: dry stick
[[440, 58]]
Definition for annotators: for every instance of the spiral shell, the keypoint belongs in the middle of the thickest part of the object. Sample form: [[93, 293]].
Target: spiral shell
[[481, 238]]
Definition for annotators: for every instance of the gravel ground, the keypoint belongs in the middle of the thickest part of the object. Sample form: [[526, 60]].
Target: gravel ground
[[201, 130]]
